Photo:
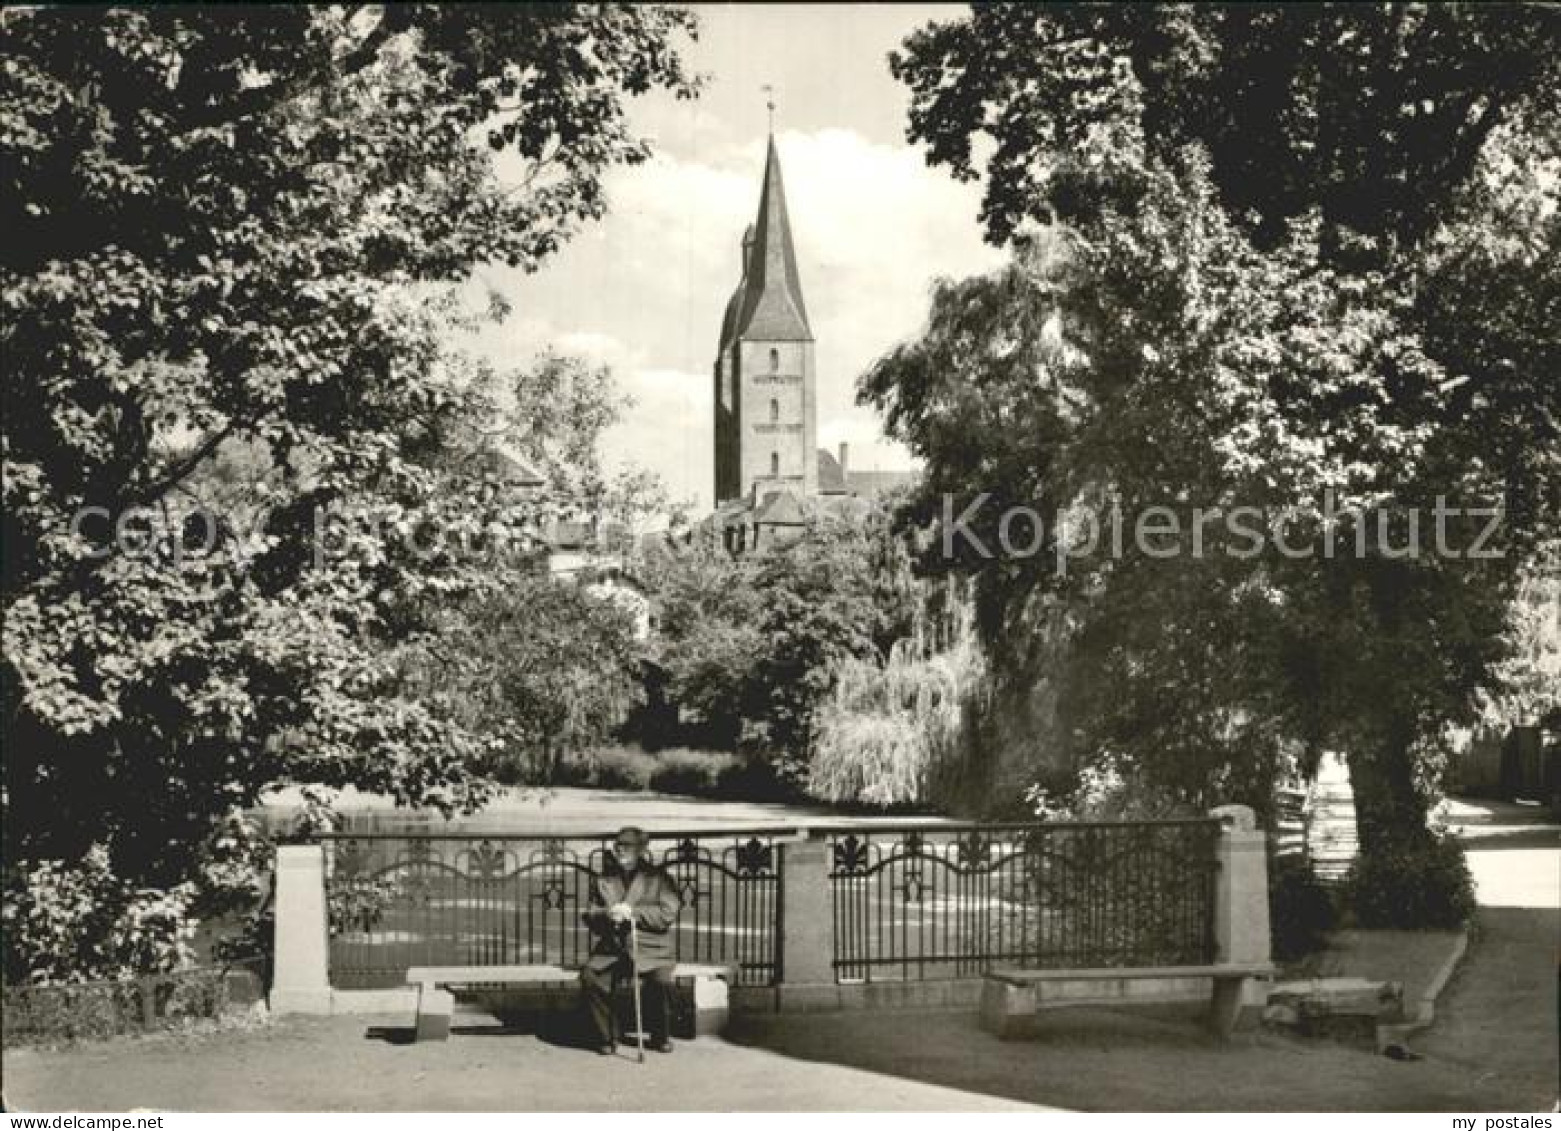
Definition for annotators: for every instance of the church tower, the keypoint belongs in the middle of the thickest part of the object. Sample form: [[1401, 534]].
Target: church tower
[[765, 402]]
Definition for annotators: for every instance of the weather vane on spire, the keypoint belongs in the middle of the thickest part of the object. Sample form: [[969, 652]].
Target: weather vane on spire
[[769, 103]]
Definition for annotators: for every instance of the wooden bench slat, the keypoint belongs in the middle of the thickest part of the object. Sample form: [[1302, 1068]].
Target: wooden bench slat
[[1019, 977]]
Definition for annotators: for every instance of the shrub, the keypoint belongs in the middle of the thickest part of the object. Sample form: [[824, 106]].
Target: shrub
[[1419, 883], [683, 770], [698, 773], [1301, 910], [1101, 791], [79, 922], [351, 906], [757, 779], [622, 767], [578, 770], [96, 1010], [233, 874], [360, 904]]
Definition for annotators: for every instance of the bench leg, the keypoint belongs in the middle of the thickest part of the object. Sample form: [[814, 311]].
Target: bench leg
[[434, 1010], [1008, 1011], [1225, 1005], [712, 1006]]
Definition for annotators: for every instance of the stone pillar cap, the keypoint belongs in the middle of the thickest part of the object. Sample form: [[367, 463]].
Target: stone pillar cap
[[1240, 817]]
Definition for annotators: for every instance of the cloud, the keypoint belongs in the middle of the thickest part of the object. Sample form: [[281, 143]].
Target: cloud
[[597, 347], [667, 430]]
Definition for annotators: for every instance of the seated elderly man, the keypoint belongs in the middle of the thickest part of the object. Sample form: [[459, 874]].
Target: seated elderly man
[[631, 889]]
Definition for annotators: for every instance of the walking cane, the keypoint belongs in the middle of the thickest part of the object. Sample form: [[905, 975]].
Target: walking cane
[[634, 974]]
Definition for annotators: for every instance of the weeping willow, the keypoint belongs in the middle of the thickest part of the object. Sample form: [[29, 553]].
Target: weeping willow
[[891, 728]]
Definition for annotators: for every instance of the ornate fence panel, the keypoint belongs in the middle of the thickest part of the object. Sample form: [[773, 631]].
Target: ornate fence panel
[[410, 900], [951, 901]]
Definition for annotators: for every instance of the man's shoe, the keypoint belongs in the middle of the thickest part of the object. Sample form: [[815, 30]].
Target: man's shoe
[[607, 1048], [663, 1045]]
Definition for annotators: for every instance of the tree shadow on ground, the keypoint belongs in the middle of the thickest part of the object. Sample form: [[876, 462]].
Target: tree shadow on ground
[[1110, 1060]]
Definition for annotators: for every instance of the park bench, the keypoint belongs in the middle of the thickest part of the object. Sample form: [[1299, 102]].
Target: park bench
[[1011, 997], [703, 989]]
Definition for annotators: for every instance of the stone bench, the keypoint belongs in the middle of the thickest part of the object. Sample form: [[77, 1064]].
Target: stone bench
[[706, 985], [1011, 998]]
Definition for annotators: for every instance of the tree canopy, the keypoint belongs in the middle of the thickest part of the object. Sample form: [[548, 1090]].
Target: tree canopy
[[749, 646], [1300, 259], [231, 238]]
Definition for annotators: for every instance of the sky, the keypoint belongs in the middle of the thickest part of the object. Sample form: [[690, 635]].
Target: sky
[[644, 289]]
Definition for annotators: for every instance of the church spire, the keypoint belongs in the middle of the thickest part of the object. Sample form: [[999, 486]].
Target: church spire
[[765, 385], [772, 306]]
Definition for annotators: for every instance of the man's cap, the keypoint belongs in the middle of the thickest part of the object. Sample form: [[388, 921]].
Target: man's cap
[[632, 837]]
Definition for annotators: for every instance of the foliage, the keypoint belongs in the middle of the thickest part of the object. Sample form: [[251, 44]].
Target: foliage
[[360, 903], [623, 767], [679, 770], [1301, 909], [79, 923], [544, 665], [1097, 896], [753, 777], [1101, 791], [828, 599], [695, 773], [232, 241], [708, 637], [57, 1014], [1412, 883], [1375, 117], [556, 413], [1530, 688], [890, 730], [749, 646], [352, 905], [1223, 295]]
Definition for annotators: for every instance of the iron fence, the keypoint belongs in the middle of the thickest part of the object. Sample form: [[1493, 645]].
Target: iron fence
[[401, 900], [951, 901]]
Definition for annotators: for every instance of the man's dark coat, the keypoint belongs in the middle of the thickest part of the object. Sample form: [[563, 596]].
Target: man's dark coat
[[656, 904]]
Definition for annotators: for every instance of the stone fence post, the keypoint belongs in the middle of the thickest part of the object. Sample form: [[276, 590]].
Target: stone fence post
[[1241, 896], [807, 937], [301, 979]]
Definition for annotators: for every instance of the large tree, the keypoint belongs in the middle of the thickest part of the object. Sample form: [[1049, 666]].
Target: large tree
[[230, 238], [749, 645], [1265, 257]]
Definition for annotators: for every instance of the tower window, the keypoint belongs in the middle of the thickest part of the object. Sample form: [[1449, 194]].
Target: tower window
[[774, 411], [774, 463], [775, 361]]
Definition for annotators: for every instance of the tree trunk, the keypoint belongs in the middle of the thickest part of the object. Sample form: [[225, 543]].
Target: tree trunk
[[1389, 808]]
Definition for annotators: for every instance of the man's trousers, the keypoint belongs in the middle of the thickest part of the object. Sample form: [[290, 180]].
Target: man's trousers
[[655, 992]]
